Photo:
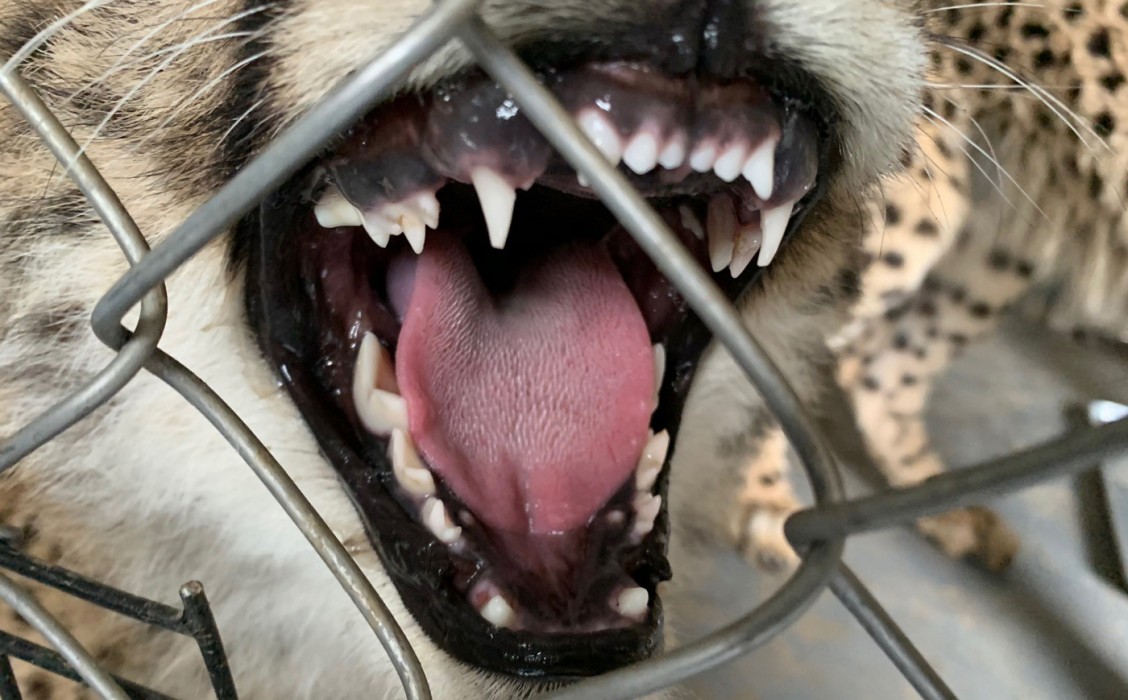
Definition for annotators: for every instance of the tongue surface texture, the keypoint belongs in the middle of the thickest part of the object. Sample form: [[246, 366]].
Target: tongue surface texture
[[532, 406]]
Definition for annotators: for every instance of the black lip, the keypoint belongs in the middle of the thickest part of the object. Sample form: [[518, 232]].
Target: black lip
[[280, 309]]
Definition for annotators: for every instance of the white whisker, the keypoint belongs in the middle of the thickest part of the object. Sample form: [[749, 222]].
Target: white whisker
[[49, 31]]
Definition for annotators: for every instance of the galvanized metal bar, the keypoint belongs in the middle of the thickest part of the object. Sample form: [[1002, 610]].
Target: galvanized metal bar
[[52, 662], [9, 689]]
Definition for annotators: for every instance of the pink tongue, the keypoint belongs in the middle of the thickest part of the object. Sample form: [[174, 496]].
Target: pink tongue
[[533, 407]]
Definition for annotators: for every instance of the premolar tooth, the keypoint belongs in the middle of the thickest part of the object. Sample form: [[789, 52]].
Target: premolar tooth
[[729, 163], [651, 461], [428, 204], [773, 224], [498, 612], [378, 404], [703, 157], [759, 169], [632, 602], [380, 228], [408, 468], [641, 155], [597, 127], [333, 210], [673, 155], [659, 370], [438, 522], [721, 224], [646, 508], [748, 240], [415, 231], [497, 198], [691, 222]]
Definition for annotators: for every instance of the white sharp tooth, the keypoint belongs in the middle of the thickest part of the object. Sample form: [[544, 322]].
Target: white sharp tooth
[[641, 155], [673, 155], [659, 370], [773, 224], [598, 127], [646, 508], [415, 231], [721, 224], [380, 228], [651, 461], [408, 468], [428, 203], [759, 169], [691, 222], [632, 602], [378, 404], [703, 157], [497, 198], [729, 163], [381, 412], [498, 612], [438, 522], [747, 244], [333, 210]]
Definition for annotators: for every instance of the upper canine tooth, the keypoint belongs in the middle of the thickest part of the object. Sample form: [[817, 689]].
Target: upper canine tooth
[[409, 470], [729, 163], [748, 241], [651, 461], [691, 222], [498, 612], [497, 198], [703, 157], [438, 522], [773, 224], [333, 210], [759, 169], [632, 602], [641, 155], [378, 405], [721, 224], [602, 132], [673, 154]]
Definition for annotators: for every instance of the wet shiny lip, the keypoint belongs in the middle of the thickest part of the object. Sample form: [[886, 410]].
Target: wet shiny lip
[[288, 313]]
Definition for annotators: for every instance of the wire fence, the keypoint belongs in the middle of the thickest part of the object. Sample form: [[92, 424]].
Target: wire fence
[[817, 533]]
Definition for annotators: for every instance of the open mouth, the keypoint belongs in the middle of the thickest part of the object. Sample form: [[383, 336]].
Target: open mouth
[[494, 368]]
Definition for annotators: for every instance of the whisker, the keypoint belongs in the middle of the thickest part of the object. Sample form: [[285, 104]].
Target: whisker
[[49, 31], [974, 5]]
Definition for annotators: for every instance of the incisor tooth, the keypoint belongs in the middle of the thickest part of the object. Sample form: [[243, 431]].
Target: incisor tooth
[[333, 210], [597, 127], [773, 224], [408, 468], [759, 169], [745, 248], [673, 154], [646, 508], [651, 461], [497, 198], [498, 612], [438, 522], [703, 157], [379, 408], [632, 602], [641, 155], [691, 222], [720, 222], [729, 163]]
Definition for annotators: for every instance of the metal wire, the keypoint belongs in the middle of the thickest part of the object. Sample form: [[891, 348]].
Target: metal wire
[[818, 532]]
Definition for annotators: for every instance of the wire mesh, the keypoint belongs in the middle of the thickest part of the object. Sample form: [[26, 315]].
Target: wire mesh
[[818, 533]]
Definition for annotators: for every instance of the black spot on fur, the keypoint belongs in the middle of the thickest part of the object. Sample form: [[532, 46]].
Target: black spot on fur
[[1033, 30], [1104, 124], [998, 259], [963, 66], [892, 215], [958, 339], [980, 309], [1004, 19], [1072, 12], [1112, 81], [1099, 43], [893, 259], [1096, 185], [1001, 53], [900, 340], [1024, 268], [958, 295], [38, 687], [908, 380], [1044, 58], [926, 308], [927, 228], [870, 383], [976, 32]]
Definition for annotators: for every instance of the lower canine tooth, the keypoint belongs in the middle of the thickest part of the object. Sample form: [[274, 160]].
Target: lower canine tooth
[[498, 612], [632, 602], [748, 241], [721, 224], [773, 224], [333, 210], [379, 408], [407, 467], [651, 461], [438, 522], [497, 198]]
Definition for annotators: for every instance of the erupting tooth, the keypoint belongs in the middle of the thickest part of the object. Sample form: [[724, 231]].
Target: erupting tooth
[[729, 163], [659, 370], [598, 127], [673, 155], [333, 210], [773, 224], [759, 169], [691, 222], [651, 461], [498, 612], [646, 508], [378, 404], [497, 198], [641, 155], [703, 157], [748, 241], [408, 468], [632, 602], [438, 522], [721, 223], [415, 231]]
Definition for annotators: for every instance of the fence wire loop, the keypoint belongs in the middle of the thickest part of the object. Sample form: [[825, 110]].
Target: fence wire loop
[[819, 532]]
